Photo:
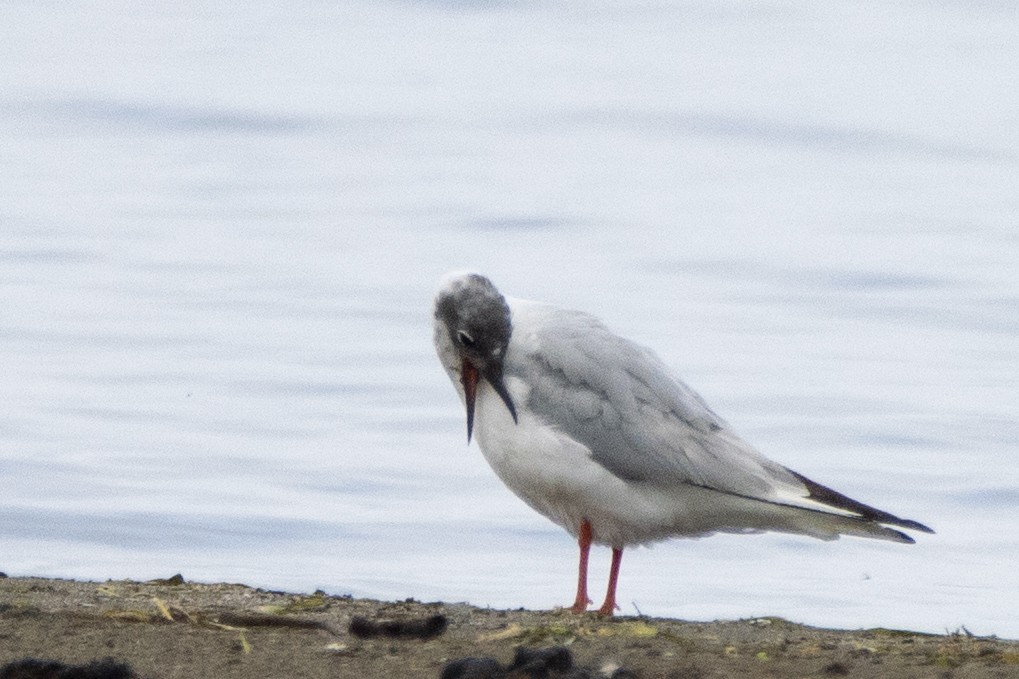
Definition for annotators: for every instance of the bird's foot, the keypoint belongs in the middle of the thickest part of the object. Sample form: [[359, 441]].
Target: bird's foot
[[580, 605], [608, 608]]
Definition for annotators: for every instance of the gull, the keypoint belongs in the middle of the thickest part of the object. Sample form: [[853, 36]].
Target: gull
[[596, 433]]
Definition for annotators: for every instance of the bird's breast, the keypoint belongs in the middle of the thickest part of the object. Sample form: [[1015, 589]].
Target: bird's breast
[[550, 471]]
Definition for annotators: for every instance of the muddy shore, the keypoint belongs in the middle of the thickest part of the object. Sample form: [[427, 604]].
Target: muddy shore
[[171, 629]]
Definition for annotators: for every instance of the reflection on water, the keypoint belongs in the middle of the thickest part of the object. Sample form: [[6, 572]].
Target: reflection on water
[[217, 274]]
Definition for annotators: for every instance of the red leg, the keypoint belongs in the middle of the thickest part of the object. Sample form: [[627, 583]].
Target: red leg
[[581, 602], [609, 607]]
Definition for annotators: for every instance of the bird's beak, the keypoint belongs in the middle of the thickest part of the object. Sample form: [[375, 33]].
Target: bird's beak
[[470, 375]]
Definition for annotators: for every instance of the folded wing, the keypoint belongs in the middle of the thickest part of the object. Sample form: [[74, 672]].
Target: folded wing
[[644, 425]]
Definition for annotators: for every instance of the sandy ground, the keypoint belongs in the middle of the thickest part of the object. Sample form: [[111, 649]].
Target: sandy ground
[[169, 629]]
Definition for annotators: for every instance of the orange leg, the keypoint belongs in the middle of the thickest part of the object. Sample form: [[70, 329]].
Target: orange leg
[[581, 602], [609, 607]]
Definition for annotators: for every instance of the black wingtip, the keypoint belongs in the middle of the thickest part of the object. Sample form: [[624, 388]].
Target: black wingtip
[[915, 525], [839, 501]]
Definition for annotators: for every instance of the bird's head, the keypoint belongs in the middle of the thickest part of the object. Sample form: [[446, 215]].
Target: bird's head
[[472, 335]]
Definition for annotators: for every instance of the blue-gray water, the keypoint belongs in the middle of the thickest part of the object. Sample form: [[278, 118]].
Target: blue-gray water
[[221, 225]]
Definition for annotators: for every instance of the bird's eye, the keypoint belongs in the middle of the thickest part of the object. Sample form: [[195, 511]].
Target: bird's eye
[[464, 338]]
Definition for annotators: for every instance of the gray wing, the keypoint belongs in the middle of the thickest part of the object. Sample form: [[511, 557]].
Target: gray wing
[[639, 421]]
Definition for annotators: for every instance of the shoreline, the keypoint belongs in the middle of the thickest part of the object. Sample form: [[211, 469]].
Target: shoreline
[[169, 629]]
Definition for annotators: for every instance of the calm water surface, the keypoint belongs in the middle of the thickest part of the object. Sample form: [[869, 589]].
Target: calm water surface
[[221, 226]]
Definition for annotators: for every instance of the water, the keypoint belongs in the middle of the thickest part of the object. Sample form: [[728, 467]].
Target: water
[[222, 225]]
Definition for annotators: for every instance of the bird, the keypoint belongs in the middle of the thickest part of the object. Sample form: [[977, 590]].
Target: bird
[[594, 431]]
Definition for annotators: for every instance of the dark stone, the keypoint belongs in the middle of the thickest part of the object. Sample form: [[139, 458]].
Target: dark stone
[[472, 668], [413, 628], [33, 668], [540, 662]]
